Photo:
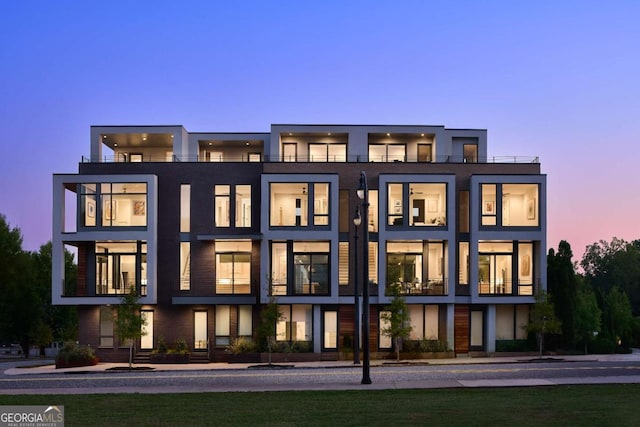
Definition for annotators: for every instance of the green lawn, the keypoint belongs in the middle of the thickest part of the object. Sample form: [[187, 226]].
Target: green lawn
[[598, 405]]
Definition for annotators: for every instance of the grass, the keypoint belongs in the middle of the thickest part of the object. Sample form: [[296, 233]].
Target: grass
[[596, 405]]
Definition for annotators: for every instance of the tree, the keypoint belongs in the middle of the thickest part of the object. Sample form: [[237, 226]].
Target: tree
[[397, 319], [60, 323], [21, 307], [618, 319], [130, 321], [562, 287], [542, 319], [587, 316], [270, 315], [607, 265]]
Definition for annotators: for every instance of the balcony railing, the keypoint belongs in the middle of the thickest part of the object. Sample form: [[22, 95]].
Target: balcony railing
[[522, 288], [434, 287], [246, 158]]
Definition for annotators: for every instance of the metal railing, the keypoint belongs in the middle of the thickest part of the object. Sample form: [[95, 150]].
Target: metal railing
[[246, 158], [432, 287]]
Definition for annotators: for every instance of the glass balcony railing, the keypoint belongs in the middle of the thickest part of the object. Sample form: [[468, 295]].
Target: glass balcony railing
[[255, 157]]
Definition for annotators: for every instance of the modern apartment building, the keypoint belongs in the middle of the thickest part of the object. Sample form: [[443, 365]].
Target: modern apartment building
[[206, 226]]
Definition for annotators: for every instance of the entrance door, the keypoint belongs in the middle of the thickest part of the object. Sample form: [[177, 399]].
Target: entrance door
[[477, 330], [146, 341], [200, 330]]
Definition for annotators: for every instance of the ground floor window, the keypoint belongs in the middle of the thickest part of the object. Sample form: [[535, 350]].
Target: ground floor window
[[231, 322], [511, 321], [424, 321], [295, 324]]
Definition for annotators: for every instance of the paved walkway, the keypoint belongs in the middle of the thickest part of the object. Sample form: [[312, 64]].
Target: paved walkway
[[49, 368]]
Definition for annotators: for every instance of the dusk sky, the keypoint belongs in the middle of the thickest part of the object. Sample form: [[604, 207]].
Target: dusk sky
[[554, 79]]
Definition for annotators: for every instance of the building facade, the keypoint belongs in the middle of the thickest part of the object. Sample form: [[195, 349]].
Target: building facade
[[207, 227]]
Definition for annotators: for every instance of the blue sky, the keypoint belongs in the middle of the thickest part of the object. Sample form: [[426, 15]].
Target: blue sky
[[554, 79]]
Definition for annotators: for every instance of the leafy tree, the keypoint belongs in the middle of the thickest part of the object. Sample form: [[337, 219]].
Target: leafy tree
[[21, 308], [397, 317], [607, 265], [542, 319], [587, 316], [270, 315], [618, 319], [562, 287], [60, 322], [130, 321]]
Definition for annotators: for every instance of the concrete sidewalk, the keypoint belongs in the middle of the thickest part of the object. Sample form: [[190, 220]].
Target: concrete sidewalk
[[32, 367]]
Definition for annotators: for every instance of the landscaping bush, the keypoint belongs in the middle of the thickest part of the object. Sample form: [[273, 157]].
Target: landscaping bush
[[242, 345], [513, 346], [602, 345], [72, 355]]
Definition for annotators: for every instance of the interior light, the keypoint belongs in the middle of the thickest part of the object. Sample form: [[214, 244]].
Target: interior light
[[388, 134], [422, 134], [329, 133], [115, 145]]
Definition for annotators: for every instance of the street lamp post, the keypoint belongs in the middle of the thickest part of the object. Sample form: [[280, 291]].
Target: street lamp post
[[357, 220], [363, 194]]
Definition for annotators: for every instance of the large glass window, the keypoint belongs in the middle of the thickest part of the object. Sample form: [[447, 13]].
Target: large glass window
[[289, 204], [525, 268], [233, 267], [120, 266], [488, 204], [387, 152], [245, 321], [520, 205], [223, 325], [295, 324], [321, 204], [320, 152], [416, 268], [311, 267], [114, 204], [88, 203], [289, 152], [395, 205], [278, 268], [222, 199], [428, 203], [495, 268], [243, 206], [424, 321]]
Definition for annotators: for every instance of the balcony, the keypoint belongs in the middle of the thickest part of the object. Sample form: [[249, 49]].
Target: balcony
[[258, 157]]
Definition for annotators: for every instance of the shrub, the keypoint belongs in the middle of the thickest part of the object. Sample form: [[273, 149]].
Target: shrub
[[513, 346], [301, 347], [242, 345], [602, 345], [162, 346], [73, 355], [181, 347], [424, 345]]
